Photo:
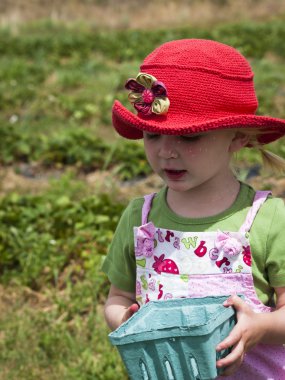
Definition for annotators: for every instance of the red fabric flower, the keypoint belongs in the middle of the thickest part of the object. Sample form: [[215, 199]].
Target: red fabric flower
[[148, 95]]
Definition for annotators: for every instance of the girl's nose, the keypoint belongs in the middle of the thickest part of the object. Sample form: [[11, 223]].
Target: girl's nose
[[167, 147]]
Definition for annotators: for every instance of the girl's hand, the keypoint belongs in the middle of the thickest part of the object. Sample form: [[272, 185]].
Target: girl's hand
[[246, 334], [130, 311], [119, 307]]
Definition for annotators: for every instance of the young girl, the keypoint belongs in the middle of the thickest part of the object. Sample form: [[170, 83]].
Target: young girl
[[205, 233]]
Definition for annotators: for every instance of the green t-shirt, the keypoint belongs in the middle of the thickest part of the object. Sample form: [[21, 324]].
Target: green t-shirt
[[267, 238]]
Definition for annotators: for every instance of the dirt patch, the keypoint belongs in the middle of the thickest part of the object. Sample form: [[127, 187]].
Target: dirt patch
[[276, 185], [14, 297], [29, 182], [34, 181]]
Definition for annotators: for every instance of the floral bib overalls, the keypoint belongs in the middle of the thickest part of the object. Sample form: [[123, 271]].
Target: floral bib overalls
[[174, 264]]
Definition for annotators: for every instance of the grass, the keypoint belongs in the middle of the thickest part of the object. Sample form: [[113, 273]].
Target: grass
[[56, 335]]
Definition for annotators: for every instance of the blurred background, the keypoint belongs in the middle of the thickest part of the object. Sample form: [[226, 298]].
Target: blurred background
[[135, 14], [65, 174]]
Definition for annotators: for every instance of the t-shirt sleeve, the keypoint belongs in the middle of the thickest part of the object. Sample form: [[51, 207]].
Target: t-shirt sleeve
[[119, 264], [275, 246]]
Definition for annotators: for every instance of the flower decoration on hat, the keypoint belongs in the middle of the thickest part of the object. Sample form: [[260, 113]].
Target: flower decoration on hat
[[148, 95]]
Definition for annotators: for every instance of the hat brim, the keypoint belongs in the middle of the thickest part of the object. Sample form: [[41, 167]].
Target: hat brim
[[131, 126]]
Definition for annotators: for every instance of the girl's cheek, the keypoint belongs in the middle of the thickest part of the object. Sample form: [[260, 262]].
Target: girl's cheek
[[192, 151]]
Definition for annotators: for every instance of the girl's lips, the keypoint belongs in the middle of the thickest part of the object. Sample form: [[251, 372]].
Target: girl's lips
[[174, 174]]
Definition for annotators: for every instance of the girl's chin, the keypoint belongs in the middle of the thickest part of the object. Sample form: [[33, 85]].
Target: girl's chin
[[178, 186]]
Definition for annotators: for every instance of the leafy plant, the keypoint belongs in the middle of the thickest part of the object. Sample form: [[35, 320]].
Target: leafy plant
[[42, 235], [77, 147]]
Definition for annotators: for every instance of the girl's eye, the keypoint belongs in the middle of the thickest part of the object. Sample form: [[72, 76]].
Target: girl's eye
[[151, 136], [192, 138]]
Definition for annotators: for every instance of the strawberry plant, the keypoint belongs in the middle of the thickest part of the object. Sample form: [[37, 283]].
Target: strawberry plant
[[41, 235]]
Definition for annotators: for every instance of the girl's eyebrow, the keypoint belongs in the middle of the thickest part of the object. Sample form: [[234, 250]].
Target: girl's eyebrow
[[193, 134]]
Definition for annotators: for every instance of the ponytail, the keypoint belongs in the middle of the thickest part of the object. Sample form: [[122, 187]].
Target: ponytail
[[271, 161]]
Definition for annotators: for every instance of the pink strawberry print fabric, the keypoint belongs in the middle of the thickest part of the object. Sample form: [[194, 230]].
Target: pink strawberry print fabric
[[167, 266], [170, 263], [175, 264]]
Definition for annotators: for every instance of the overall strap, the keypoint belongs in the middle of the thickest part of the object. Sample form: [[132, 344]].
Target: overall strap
[[259, 199], [146, 207]]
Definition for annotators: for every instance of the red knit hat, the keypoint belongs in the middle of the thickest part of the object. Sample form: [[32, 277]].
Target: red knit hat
[[193, 86]]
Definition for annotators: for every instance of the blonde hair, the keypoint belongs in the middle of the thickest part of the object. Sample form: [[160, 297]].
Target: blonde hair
[[271, 162]]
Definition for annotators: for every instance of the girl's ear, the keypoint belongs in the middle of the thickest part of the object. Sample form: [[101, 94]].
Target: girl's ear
[[239, 141]]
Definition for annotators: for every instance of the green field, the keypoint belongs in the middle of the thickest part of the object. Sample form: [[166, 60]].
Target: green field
[[57, 85]]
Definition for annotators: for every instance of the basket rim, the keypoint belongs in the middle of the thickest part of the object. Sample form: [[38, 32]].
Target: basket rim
[[122, 336]]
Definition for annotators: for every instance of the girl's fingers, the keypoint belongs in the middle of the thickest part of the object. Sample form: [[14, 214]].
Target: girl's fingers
[[230, 340], [234, 358], [236, 302], [230, 369]]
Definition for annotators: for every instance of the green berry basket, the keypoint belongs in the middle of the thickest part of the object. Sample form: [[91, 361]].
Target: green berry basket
[[175, 339]]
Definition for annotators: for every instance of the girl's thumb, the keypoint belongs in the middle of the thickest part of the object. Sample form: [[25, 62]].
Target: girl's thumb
[[133, 308], [130, 311]]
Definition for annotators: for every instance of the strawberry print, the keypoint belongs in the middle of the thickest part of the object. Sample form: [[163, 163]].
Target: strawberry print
[[138, 288], [247, 255], [201, 250], [224, 260], [160, 291], [168, 296], [151, 284], [164, 265]]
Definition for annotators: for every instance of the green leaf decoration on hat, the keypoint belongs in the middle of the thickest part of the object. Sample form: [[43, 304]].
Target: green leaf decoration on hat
[[160, 105], [134, 97], [145, 80]]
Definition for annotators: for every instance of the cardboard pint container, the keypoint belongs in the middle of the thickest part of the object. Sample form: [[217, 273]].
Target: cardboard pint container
[[175, 339]]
